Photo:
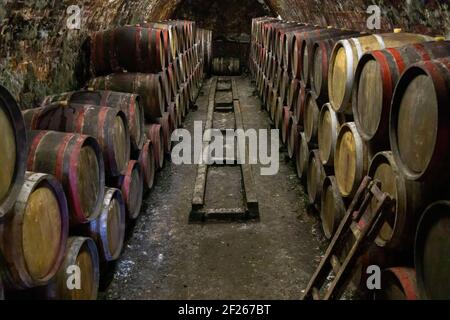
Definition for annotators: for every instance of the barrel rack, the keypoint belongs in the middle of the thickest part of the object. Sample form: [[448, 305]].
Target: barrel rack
[[228, 101]]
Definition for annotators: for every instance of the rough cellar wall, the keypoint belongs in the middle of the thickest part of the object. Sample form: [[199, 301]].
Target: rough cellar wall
[[39, 55], [426, 16]]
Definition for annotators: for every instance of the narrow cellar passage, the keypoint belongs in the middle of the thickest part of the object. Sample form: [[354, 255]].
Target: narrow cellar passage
[[167, 258]]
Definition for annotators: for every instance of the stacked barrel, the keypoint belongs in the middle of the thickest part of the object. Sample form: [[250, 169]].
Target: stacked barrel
[[350, 105], [80, 162]]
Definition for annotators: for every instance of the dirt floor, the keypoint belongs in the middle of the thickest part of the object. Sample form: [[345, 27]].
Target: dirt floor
[[167, 258]]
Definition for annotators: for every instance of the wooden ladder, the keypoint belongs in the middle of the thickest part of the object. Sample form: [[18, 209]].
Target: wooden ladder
[[357, 231]]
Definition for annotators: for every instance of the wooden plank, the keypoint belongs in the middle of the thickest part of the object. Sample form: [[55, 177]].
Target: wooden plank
[[234, 89], [198, 199], [246, 170]]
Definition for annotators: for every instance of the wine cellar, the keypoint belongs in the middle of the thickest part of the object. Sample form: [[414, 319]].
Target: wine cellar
[[245, 150]]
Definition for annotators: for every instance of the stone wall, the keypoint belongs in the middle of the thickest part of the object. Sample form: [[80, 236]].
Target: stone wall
[[39, 55]]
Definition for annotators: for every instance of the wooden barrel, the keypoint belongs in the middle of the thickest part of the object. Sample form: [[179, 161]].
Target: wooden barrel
[[156, 135], [350, 159], [148, 166], [147, 86], [167, 130], [278, 116], [76, 161], [129, 104], [311, 118], [302, 157], [128, 48], [165, 85], [13, 146], [80, 252], [419, 134], [172, 79], [109, 126], [178, 107], [321, 53], [226, 66], [306, 44], [132, 186], [292, 137], [292, 95], [284, 84], [431, 252], [299, 108], [398, 283], [332, 208], [286, 122], [108, 230], [375, 79], [410, 201], [172, 33], [272, 104], [173, 115], [328, 127], [345, 57], [315, 175], [33, 241]]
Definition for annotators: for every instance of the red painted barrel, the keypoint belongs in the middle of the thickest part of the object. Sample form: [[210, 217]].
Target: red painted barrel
[[148, 166], [132, 186], [128, 103], [285, 125], [13, 146], [76, 161], [293, 138], [109, 126], [419, 132], [397, 283], [375, 79], [156, 136], [147, 86], [167, 130], [128, 48], [108, 230], [431, 252], [33, 241], [81, 252]]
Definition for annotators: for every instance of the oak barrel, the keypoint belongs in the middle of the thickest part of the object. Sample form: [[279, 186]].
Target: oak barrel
[[311, 118], [33, 241], [148, 166], [431, 250], [410, 201], [398, 283], [375, 79], [127, 48], [350, 159], [285, 124], [332, 208], [13, 151], [156, 136], [76, 161], [167, 130], [132, 186], [315, 175], [107, 125], [130, 104], [108, 230], [329, 123], [147, 86], [82, 253], [292, 137], [345, 57], [302, 156], [418, 130]]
